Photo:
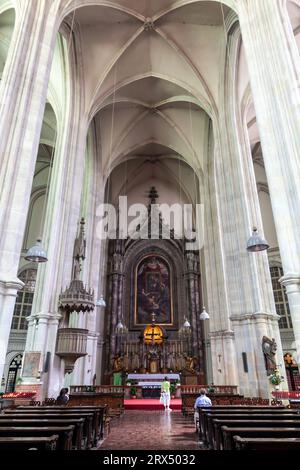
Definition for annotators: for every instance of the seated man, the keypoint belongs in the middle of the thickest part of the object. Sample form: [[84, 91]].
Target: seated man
[[201, 402]]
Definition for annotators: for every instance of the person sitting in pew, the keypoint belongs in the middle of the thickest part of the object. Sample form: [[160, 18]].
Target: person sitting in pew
[[63, 397], [201, 402]]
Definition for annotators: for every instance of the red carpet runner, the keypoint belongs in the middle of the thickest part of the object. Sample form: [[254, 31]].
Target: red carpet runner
[[150, 404]]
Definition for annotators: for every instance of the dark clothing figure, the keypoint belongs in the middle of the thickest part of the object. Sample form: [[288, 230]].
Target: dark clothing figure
[[63, 397]]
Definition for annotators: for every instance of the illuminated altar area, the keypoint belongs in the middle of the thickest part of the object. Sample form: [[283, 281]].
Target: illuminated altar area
[[152, 313]]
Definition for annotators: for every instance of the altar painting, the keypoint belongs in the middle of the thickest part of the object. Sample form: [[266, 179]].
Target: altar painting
[[153, 291]]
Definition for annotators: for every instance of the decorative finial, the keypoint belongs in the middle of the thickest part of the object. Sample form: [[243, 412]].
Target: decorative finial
[[153, 195]]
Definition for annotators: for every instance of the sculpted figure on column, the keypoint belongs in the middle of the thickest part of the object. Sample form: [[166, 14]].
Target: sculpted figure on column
[[79, 251]]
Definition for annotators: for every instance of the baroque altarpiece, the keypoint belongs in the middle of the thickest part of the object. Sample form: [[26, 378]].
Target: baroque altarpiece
[[154, 288]]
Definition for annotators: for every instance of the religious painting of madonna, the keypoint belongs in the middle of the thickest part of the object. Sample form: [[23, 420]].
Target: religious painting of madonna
[[153, 291]]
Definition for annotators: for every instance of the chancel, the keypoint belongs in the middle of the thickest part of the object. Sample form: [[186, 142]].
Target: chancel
[[149, 213]]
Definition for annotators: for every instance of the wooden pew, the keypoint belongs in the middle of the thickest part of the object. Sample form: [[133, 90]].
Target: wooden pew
[[113, 401], [100, 413], [20, 421], [218, 443], [88, 431], [28, 443], [207, 430], [64, 434], [228, 434], [266, 443], [235, 409]]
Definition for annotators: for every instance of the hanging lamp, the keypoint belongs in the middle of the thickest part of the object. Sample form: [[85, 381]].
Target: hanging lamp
[[37, 254], [121, 329], [185, 331], [204, 315], [256, 242], [101, 302]]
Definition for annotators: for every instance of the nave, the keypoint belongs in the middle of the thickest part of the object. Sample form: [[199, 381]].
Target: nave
[[152, 430], [256, 425]]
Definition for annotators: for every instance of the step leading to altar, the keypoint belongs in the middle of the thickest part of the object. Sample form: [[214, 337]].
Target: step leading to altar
[[148, 404], [149, 385]]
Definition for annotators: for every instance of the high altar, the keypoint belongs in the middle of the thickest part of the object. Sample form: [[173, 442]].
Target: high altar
[[154, 294]]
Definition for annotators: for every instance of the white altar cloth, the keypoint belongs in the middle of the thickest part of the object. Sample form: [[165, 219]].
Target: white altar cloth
[[153, 377]]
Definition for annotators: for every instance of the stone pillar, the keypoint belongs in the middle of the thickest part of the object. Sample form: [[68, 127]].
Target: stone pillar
[[8, 293], [202, 340], [113, 317], [62, 214], [116, 277], [40, 339], [23, 93], [274, 68], [52, 382], [191, 275], [248, 299]]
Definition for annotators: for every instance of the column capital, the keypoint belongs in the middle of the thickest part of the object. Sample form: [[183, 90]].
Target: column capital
[[45, 316], [10, 286], [290, 279], [256, 316], [222, 334]]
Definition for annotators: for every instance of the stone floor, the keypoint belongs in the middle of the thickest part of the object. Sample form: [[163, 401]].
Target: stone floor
[[152, 430]]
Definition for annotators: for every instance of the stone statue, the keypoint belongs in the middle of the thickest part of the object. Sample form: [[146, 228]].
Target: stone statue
[[118, 363], [269, 348], [190, 364], [289, 360], [79, 251], [117, 263], [190, 261]]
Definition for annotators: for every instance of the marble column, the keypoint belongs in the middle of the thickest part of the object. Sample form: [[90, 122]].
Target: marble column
[[116, 298], [23, 94], [191, 275], [62, 215], [113, 317], [8, 293], [274, 68]]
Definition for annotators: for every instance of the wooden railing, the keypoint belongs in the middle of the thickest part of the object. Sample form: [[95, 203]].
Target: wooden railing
[[286, 395], [108, 389], [218, 389], [184, 389]]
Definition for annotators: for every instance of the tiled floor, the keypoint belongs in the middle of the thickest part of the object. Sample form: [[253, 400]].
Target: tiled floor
[[152, 430]]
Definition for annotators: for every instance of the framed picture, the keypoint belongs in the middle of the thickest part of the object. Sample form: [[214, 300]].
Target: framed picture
[[31, 364], [153, 291]]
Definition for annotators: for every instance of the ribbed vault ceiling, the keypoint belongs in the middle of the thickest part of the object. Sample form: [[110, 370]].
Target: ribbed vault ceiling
[[151, 76]]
